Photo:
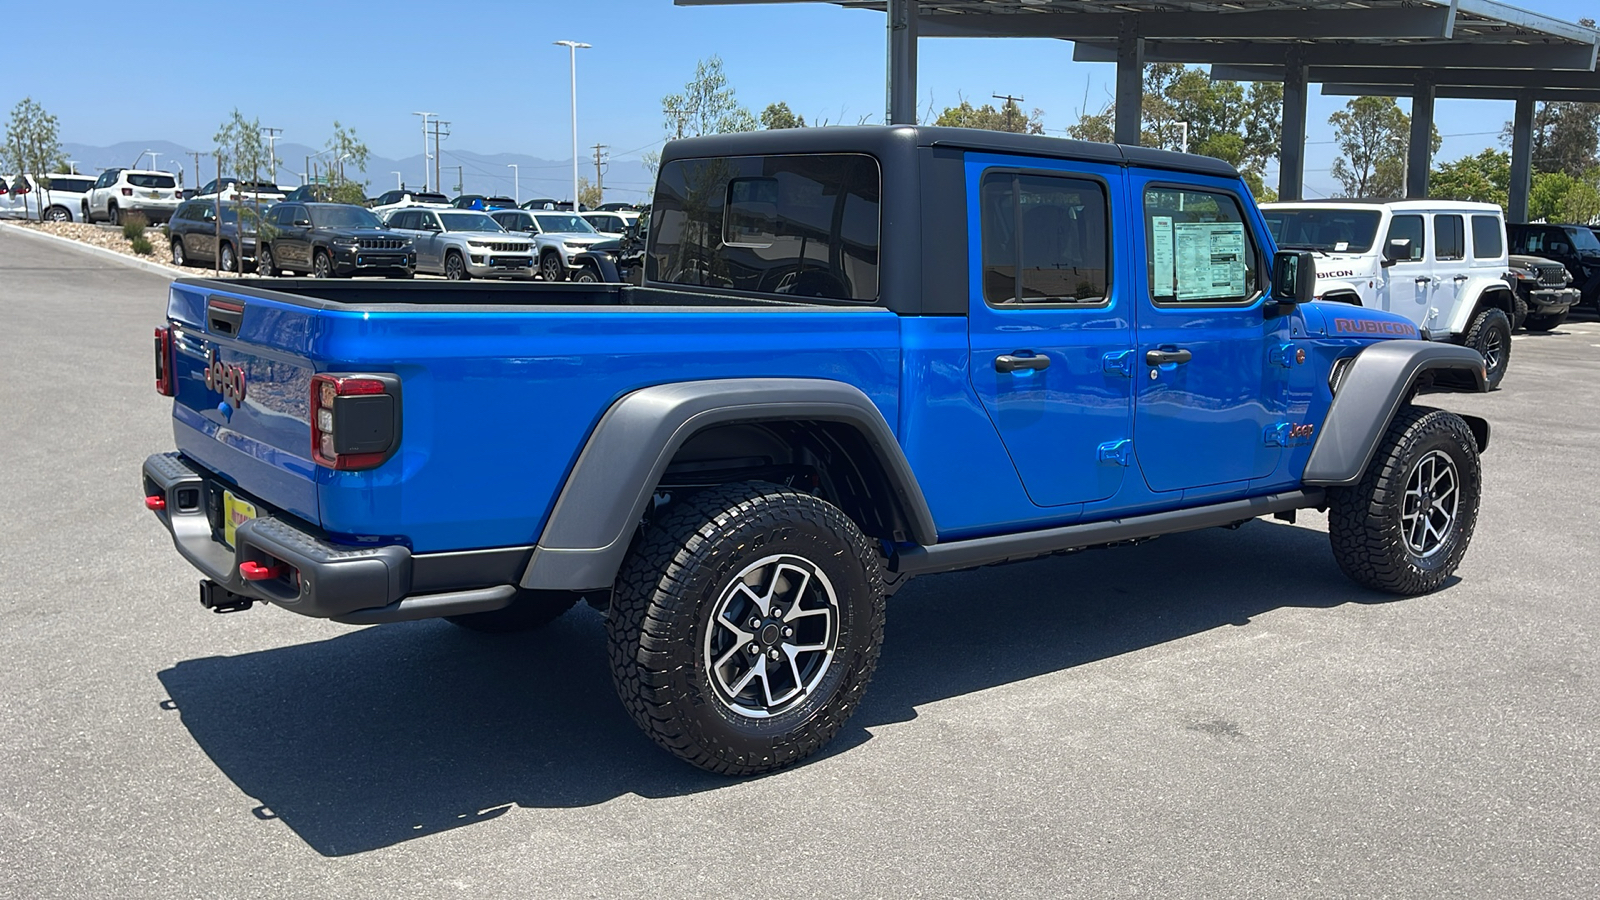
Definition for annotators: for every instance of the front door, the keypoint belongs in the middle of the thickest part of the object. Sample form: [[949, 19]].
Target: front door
[[1050, 321], [1210, 391], [1408, 283]]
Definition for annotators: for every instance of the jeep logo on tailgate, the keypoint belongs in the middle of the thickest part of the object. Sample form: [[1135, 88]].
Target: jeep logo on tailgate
[[225, 380]]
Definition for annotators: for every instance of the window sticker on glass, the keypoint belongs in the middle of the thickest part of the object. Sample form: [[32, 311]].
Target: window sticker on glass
[[1210, 260], [1161, 250]]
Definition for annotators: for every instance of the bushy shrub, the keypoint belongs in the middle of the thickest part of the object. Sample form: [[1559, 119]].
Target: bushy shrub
[[133, 225], [141, 245]]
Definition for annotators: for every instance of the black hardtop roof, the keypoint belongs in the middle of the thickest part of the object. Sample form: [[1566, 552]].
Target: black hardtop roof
[[886, 140]]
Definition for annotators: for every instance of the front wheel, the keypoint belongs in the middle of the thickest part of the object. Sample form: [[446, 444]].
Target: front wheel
[[266, 266], [321, 265], [179, 258], [551, 268], [1545, 321], [745, 626], [1404, 527], [229, 260], [455, 268], [1519, 311], [1490, 335], [588, 274]]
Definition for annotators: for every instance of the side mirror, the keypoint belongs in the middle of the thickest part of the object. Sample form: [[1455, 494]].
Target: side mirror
[[1294, 276], [1395, 250]]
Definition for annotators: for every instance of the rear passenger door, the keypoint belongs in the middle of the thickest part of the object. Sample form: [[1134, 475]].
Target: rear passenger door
[[1450, 268], [1050, 320], [1208, 400]]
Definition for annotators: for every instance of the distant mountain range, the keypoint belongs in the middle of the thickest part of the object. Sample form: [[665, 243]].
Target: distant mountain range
[[480, 173]]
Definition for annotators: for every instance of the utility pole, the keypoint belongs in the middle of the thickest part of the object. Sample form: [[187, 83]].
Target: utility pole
[[424, 116], [599, 172], [272, 150], [307, 173], [440, 130], [1010, 102], [197, 175], [678, 114]]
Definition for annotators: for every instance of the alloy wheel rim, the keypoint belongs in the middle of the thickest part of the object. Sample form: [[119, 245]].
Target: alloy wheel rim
[[1492, 349], [772, 637], [551, 270], [1429, 506]]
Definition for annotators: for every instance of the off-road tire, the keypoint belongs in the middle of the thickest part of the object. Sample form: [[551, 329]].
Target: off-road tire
[[1366, 520], [587, 274], [179, 258], [1519, 311], [1491, 334], [266, 266], [1545, 321], [528, 610], [675, 578]]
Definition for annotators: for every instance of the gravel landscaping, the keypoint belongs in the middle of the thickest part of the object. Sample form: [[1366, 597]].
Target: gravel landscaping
[[112, 239]]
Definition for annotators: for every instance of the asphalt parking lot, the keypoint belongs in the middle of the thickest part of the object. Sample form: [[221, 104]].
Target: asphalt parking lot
[[1217, 714]]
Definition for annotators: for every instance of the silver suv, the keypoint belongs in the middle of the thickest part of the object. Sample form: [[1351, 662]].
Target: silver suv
[[461, 244], [557, 237]]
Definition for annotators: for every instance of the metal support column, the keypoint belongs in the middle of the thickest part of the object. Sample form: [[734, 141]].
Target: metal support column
[[1130, 84], [1292, 141], [1419, 151], [902, 74], [1521, 159]]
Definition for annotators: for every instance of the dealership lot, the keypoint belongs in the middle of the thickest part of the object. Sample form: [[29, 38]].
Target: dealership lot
[[1215, 714]]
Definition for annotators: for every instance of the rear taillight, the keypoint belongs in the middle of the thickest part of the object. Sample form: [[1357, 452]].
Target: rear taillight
[[164, 383], [355, 420], [127, 192]]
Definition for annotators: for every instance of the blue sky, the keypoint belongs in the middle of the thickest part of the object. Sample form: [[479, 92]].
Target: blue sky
[[489, 68]]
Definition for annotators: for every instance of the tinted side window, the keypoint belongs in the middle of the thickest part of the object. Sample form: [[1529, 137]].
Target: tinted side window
[[1488, 238], [1408, 228], [1044, 239], [406, 220], [1449, 238], [802, 226], [1198, 247]]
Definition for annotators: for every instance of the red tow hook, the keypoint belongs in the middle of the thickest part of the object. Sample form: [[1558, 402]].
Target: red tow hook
[[156, 502], [254, 571]]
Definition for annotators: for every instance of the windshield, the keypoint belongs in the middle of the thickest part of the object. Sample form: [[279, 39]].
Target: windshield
[[468, 222], [1328, 230], [152, 181], [343, 217], [563, 224]]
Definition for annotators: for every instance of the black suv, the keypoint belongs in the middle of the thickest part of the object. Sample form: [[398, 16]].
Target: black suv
[[332, 239], [192, 233], [1574, 246]]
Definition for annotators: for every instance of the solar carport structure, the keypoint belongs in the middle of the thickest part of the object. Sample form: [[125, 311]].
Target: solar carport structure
[[1422, 49]]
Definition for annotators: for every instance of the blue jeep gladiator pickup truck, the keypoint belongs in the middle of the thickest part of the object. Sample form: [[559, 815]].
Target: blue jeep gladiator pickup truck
[[857, 355]]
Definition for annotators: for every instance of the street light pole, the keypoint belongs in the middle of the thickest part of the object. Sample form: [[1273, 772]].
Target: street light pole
[[516, 182], [399, 184], [572, 49], [425, 155]]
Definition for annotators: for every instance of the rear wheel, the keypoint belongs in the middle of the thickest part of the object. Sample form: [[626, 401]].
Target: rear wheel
[[58, 214], [745, 626], [455, 268], [1490, 335], [527, 611], [551, 268], [321, 265], [112, 215], [1545, 321], [1404, 527]]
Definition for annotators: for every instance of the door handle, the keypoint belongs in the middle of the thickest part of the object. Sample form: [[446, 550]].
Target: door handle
[[1423, 279], [1011, 362], [1162, 357], [1459, 278]]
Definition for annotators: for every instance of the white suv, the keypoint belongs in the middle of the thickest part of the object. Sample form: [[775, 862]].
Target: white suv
[[61, 201], [1440, 263], [118, 192]]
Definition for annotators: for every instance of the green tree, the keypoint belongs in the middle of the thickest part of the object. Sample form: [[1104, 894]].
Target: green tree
[[1100, 126], [32, 143], [1559, 197], [1009, 117], [708, 105], [348, 154], [779, 115], [241, 147], [1485, 178]]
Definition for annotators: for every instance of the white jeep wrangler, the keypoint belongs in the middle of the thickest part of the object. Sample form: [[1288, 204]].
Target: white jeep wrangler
[[1440, 263]]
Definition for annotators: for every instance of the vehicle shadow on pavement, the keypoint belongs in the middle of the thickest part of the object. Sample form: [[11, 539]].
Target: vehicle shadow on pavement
[[389, 733]]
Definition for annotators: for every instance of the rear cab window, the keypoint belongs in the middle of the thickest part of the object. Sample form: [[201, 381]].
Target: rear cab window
[[1488, 237], [804, 225], [1200, 249]]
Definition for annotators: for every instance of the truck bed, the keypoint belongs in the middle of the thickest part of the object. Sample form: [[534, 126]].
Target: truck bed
[[322, 293]]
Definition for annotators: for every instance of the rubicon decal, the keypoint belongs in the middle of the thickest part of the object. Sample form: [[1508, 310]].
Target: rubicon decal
[[1374, 326], [225, 380]]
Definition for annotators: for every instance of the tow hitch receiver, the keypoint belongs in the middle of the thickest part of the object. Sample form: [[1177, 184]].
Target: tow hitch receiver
[[219, 599]]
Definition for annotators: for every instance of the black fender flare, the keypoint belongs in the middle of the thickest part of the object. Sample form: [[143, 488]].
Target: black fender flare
[[602, 264], [593, 520], [1380, 379]]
